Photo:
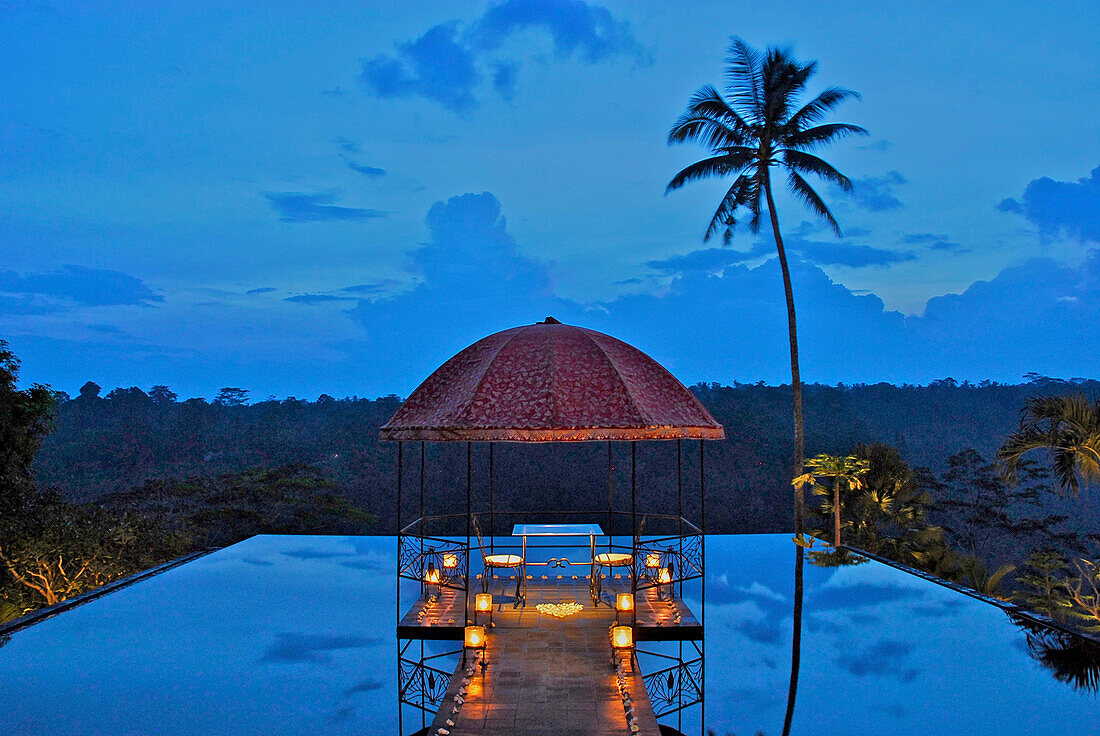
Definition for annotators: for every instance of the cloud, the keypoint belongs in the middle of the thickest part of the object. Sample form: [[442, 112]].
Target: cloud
[[262, 290], [371, 171], [446, 63], [876, 193], [291, 648], [838, 253], [823, 253], [318, 299], [504, 79], [576, 27], [299, 207], [346, 145], [435, 66], [1061, 207], [883, 658], [880, 145], [70, 287], [934, 242], [707, 260]]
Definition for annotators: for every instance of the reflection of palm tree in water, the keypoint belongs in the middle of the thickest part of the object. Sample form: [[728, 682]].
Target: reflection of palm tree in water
[[796, 639], [1070, 659]]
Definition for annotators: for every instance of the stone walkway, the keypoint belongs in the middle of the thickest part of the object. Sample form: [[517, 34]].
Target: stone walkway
[[547, 676]]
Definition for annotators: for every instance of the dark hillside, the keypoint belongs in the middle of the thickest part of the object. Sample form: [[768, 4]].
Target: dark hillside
[[112, 444]]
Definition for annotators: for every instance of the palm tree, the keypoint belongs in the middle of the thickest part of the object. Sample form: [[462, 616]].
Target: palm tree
[[846, 471], [1066, 426], [761, 127]]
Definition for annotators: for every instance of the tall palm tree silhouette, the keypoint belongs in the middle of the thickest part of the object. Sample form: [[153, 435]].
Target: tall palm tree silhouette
[[761, 127]]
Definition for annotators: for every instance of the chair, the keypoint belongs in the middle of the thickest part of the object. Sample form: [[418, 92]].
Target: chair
[[610, 560], [495, 562]]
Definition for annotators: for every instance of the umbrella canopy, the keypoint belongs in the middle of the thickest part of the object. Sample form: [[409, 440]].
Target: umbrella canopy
[[550, 382]]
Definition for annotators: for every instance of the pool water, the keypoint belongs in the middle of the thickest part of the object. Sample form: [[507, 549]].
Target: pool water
[[295, 635]]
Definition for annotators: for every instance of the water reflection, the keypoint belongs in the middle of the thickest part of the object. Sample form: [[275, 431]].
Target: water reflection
[[294, 635], [1070, 659]]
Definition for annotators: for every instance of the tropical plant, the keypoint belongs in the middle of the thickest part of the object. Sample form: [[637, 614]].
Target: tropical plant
[[1042, 584], [977, 576], [760, 127], [1068, 427], [890, 513], [1085, 592], [846, 472]]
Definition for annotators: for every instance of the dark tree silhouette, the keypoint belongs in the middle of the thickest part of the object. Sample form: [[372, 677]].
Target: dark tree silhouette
[[760, 127]]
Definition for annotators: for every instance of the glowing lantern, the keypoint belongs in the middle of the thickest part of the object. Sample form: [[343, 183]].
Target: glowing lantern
[[483, 602], [665, 575], [624, 602], [474, 637], [431, 575], [450, 560], [653, 560], [622, 637]]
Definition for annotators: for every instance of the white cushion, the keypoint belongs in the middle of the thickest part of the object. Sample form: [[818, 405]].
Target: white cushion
[[503, 560], [614, 559]]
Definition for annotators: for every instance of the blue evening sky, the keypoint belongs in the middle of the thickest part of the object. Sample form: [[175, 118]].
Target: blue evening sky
[[335, 197]]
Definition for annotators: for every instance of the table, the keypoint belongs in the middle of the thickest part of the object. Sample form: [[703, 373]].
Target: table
[[558, 530]]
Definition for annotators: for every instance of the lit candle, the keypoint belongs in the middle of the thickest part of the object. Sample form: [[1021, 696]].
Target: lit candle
[[483, 602], [450, 560], [622, 637], [474, 637], [624, 602]]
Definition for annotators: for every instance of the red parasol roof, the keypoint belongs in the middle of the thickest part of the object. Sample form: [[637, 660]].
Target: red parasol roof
[[551, 382]]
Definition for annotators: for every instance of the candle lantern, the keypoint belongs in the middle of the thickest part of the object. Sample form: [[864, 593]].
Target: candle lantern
[[624, 602], [474, 637], [622, 637], [483, 602], [450, 560]]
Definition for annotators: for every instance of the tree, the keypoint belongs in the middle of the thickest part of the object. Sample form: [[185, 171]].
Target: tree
[[760, 128], [890, 513], [1044, 585], [230, 396], [26, 417], [162, 395], [847, 473], [1068, 427], [90, 390]]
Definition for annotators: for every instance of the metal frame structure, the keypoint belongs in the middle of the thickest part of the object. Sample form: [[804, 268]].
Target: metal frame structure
[[681, 547]]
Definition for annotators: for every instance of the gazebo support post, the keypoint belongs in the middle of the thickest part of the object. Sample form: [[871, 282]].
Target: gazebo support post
[[703, 582], [680, 510], [423, 524], [610, 498], [400, 478], [634, 488], [492, 511], [423, 528], [469, 509]]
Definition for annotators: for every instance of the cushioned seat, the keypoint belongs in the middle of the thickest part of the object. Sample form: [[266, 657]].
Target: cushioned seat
[[503, 560], [613, 559]]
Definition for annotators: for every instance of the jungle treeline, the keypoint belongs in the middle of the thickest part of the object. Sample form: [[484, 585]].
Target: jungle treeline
[[121, 441]]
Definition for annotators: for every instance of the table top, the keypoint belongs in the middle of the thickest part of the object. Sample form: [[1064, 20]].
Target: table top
[[556, 530]]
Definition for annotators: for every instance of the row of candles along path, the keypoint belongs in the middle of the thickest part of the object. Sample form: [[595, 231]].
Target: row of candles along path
[[483, 603], [662, 573]]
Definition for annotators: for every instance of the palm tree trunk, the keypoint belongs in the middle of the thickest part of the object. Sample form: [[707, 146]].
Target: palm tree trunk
[[836, 512], [796, 379], [796, 641]]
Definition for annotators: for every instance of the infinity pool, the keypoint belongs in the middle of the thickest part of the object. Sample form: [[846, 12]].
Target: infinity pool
[[295, 635]]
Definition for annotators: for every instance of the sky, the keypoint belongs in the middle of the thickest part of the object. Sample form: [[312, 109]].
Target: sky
[[335, 198]]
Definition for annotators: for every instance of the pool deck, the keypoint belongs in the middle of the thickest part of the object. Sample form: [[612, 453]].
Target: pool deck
[[548, 675]]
